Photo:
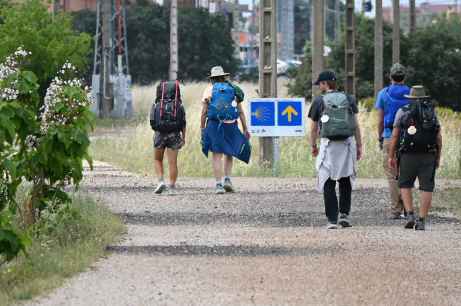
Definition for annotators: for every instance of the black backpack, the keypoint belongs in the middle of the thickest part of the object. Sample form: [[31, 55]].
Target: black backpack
[[419, 128], [167, 113]]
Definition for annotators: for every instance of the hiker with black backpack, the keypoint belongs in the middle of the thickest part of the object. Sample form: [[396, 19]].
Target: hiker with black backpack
[[334, 119], [168, 120], [389, 100], [222, 108], [415, 152]]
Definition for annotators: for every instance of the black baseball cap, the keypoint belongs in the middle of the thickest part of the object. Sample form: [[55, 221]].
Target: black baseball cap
[[326, 75]]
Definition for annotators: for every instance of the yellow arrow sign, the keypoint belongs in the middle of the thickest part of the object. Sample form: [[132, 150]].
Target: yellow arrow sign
[[290, 111]]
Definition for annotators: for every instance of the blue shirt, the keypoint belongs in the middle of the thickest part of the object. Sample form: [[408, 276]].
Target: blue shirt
[[390, 99]]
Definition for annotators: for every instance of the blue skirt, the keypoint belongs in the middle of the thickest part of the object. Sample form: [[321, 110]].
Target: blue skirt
[[225, 138]]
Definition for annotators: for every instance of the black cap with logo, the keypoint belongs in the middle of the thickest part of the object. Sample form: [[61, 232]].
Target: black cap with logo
[[327, 75]]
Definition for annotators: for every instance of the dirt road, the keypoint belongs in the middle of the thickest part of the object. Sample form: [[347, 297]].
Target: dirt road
[[265, 245]]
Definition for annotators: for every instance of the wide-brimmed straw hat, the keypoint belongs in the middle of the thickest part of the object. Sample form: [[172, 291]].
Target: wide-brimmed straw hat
[[217, 71], [417, 92]]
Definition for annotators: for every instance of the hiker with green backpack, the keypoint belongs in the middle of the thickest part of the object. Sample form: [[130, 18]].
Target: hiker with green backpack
[[333, 117], [415, 152]]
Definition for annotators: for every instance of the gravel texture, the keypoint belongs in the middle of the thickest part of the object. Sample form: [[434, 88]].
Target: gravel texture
[[264, 245]]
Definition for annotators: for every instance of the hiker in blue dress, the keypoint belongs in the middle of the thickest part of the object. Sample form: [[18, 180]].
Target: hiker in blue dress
[[222, 107], [389, 100]]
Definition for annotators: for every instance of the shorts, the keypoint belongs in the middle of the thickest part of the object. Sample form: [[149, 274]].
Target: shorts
[[171, 140], [417, 165]]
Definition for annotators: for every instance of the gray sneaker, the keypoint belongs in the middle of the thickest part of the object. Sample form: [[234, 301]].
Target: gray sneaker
[[161, 187], [411, 220], [228, 187], [220, 189], [344, 220], [332, 225]]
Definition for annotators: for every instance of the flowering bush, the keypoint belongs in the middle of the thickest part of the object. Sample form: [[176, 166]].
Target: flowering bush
[[43, 143]]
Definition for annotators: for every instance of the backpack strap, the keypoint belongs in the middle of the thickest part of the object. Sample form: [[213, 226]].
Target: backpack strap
[[176, 98], [161, 100]]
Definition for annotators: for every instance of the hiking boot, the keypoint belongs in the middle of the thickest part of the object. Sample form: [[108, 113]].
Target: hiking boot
[[161, 187], [420, 225], [228, 185], [331, 225], [344, 220], [220, 189], [411, 220]]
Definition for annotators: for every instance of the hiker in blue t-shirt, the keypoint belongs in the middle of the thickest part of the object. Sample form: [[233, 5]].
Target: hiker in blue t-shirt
[[389, 100], [222, 107]]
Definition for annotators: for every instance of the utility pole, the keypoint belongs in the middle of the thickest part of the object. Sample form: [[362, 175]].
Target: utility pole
[[337, 20], [378, 46], [396, 31], [349, 85], [236, 15], [107, 94], [318, 25], [412, 16], [173, 73], [267, 70]]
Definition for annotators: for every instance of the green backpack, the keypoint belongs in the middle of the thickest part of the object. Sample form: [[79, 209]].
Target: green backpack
[[338, 119]]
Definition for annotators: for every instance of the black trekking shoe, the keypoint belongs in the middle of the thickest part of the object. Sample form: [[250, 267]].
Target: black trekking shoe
[[420, 225], [411, 220]]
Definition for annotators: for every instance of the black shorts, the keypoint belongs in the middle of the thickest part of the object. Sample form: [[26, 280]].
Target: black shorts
[[417, 165], [171, 141]]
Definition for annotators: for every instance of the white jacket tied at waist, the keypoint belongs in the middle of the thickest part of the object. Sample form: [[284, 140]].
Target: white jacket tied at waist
[[336, 159]]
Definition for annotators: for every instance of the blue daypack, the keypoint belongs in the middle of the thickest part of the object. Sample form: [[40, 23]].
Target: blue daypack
[[222, 106], [394, 96]]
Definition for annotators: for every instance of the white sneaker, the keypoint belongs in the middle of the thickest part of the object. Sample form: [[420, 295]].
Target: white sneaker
[[161, 187], [332, 226]]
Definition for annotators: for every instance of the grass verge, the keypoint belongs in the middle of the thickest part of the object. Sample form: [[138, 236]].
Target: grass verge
[[65, 242], [449, 200]]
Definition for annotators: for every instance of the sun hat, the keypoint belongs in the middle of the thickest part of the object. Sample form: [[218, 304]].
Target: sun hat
[[217, 71], [398, 69], [417, 92]]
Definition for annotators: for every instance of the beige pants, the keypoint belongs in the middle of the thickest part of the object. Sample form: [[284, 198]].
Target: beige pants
[[396, 203]]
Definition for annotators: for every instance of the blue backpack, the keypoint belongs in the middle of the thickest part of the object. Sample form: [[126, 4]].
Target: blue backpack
[[222, 106], [395, 100]]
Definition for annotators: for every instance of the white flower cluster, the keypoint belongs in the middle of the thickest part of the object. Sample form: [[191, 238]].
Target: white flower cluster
[[55, 95], [32, 142], [8, 88]]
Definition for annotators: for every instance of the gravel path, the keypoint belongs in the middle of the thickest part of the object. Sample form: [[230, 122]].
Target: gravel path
[[265, 245]]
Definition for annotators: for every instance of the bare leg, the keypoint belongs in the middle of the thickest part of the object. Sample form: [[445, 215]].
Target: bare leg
[[172, 165], [218, 166], [228, 163], [407, 198], [426, 203], [158, 163]]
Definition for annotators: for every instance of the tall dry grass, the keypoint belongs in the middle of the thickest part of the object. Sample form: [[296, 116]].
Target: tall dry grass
[[131, 148]]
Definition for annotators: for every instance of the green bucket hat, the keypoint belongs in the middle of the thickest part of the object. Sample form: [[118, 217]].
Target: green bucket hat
[[398, 69], [417, 92]]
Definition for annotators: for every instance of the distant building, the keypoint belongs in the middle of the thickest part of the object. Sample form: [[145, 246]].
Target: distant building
[[424, 11], [77, 5]]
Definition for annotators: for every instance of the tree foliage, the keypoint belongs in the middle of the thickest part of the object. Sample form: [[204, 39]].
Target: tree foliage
[[431, 55], [204, 41], [51, 39]]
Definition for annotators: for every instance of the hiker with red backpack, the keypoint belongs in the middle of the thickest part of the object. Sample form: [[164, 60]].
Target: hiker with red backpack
[[389, 100], [334, 118], [168, 120], [415, 152], [222, 108]]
